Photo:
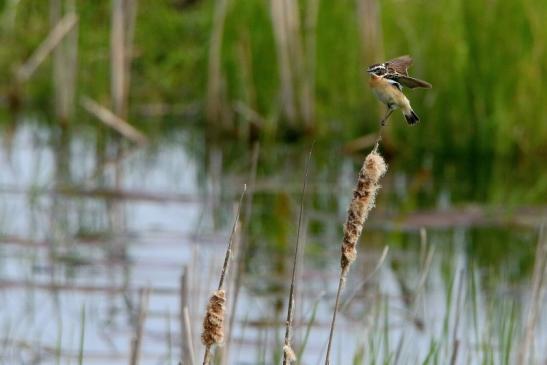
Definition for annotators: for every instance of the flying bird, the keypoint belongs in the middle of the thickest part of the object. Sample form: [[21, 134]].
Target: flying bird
[[387, 80]]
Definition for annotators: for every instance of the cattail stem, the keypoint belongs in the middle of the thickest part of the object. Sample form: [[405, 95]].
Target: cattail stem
[[336, 304], [240, 262], [207, 356], [288, 353], [364, 195], [213, 323]]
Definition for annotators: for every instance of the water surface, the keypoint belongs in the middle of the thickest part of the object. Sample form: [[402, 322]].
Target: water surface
[[86, 225]]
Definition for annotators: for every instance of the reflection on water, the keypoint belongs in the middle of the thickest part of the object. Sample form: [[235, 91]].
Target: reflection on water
[[86, 224]]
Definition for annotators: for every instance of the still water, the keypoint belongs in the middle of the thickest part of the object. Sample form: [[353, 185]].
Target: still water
[[85, 227]]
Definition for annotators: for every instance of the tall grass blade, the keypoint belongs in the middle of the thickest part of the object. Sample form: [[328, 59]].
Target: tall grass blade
[[82, 336], [288, 353]]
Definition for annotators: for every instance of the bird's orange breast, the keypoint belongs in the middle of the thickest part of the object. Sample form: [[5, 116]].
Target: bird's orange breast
[[374, 81], [387, 93]]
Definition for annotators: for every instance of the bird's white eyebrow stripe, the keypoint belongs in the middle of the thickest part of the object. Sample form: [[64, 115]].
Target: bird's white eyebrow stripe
[[378, 67]]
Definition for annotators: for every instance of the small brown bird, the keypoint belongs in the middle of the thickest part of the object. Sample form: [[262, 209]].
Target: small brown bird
[[387, 80]]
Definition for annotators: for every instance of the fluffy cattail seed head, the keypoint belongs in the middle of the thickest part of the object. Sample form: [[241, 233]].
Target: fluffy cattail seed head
[[213, 323], [289, 353], [362, 202]]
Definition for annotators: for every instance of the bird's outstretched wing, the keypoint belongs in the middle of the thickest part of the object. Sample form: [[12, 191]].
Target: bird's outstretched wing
[[395, 84], [399, 65], [407, 81]]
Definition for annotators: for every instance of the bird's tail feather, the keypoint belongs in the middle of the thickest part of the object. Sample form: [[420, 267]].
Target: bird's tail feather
[[411, 117]]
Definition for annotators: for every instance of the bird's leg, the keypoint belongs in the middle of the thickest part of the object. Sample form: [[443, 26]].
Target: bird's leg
[[386, 116]]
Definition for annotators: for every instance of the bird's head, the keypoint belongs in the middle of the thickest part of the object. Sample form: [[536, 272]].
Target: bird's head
[[378, 69]]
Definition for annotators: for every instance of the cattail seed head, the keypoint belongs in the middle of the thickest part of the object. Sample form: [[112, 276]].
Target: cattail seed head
[[362, 202], [213, 323], [289, 353]]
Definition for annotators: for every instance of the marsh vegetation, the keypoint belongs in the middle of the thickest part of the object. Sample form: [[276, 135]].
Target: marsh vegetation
[[129, 129]]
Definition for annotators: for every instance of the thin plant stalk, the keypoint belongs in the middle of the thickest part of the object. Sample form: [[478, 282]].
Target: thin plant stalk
[[82, 337], [136, 342], [124, 13], [539, 274], [57, 34], [460, 299], [213, 330], [223, 354], [185, 341], [188, 335], [288, 353], [240, 263], [169, 337]]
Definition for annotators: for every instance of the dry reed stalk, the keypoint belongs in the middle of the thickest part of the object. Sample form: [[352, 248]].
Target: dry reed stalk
[[185, 340], [213, 322], [288, 353], [368, 13], [284, 59], [224, 351], [296, 54], [121, 40], [308, 71], [215, 97], [117, 58], [55, 12], [460, 300], [61, 29], [190, 359], [247, 211], [370, 27], [245, 57], [136, 341], [295, 70], [65, 57], [130, 23], [536, 300], [68, 101], [113, 120], [374, 167]]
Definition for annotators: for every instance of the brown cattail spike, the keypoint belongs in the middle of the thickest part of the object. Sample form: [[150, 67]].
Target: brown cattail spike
[[362, 202], [213, 324]]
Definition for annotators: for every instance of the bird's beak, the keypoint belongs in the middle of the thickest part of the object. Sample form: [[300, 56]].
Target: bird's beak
[[369, 70]]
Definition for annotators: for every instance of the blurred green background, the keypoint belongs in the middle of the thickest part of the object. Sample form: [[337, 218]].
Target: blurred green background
[[486, 60], [288, 72]]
